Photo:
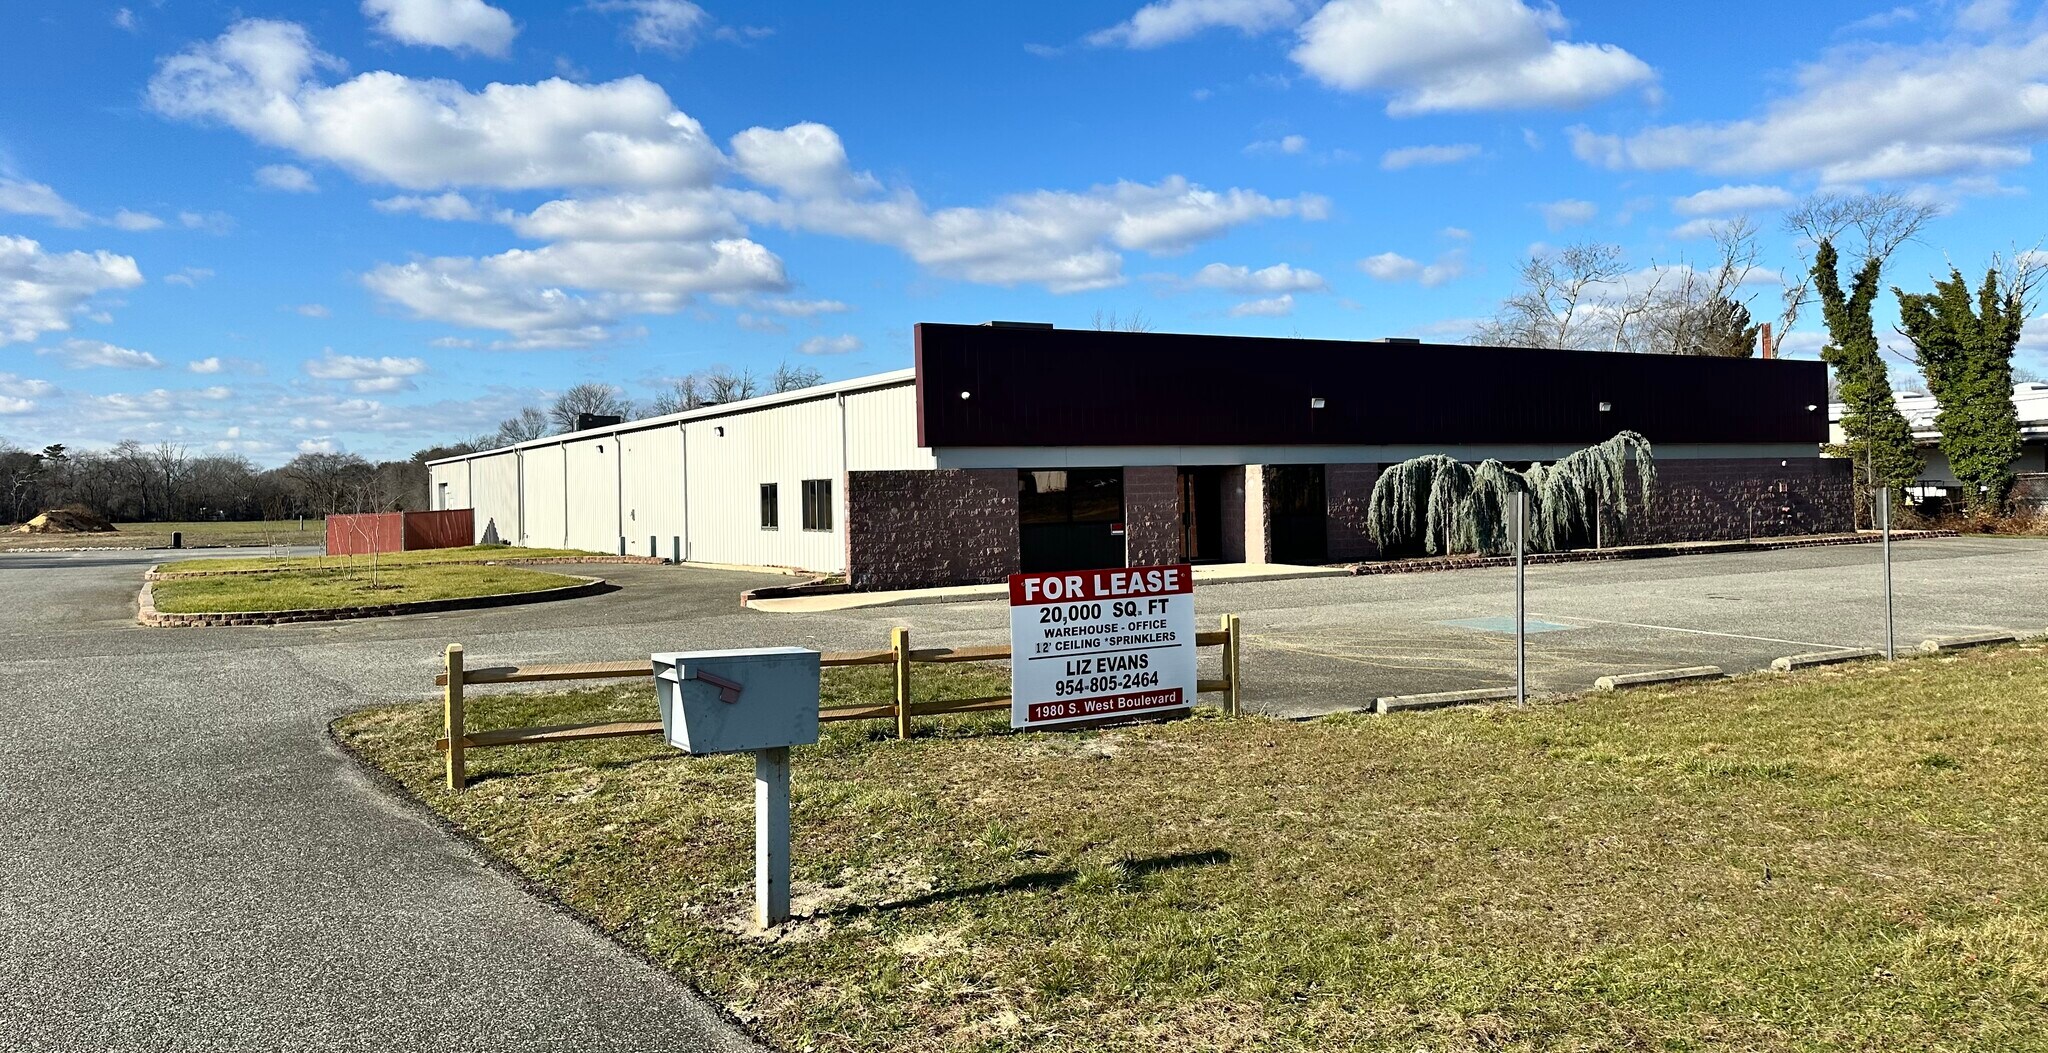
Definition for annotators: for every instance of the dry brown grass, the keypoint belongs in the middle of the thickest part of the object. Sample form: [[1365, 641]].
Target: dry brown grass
[[1851, 859]]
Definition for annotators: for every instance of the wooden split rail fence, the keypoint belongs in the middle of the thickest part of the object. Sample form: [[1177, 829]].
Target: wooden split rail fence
[[457, 739]]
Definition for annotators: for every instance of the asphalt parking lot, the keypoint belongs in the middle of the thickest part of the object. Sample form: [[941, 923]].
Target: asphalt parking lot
[[190, 864]]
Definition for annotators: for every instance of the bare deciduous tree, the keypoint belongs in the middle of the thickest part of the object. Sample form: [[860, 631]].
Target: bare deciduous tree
[[1556, 292], [525, 426], [721, 384], [592, 398], [790, 378], [1881, 223], [1110, 322]]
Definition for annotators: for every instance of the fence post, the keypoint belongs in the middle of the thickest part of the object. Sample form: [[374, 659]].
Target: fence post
[[899, 642], [451, 718], [1233, 645]]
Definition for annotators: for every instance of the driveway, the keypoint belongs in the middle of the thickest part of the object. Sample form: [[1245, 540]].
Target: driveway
[[189, 865]]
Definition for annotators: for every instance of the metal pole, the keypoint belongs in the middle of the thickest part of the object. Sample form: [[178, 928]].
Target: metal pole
[[771, 837], [1884, 514], [1521, 523]]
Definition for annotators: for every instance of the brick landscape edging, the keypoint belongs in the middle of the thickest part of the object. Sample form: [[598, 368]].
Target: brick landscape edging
[[147, 614], [154, 574], [1416, 566]]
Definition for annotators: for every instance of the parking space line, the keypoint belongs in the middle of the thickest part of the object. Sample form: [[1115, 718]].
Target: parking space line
[[1705, 632]]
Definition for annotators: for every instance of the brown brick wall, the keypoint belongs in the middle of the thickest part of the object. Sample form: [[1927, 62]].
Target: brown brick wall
[[916, 529], [1151, 515], [1712, 499], [1347, 496]]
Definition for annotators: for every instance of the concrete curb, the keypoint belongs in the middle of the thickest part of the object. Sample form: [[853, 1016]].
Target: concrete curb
[[1819, 658], [1604, 555], [1440, 699], [1658, 676], [1957, 643], [153, 574], [147, 614]]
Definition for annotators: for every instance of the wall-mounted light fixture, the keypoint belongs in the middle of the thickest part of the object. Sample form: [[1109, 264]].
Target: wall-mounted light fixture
[[1607, 407], [1316, 403], [720, 429], [1810, 407], [967, 394]]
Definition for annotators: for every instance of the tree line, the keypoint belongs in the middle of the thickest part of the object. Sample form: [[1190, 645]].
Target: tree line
[[1963, 335], [167, 482], [708, 387]]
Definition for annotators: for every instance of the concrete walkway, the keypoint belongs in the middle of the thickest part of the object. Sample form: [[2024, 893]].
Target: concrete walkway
[[1217, 574]]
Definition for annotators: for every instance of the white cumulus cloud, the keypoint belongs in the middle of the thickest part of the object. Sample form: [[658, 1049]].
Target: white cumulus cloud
[[1416, 156], [98, 354], [1570, 212], [1723, 200], [263, 79], [830, 345], [1269, 307], [41, 291], [1278, 278], [449, 206], [1432, 56], [367, 375], [458, 25], [1167, 21], [209, 364], [289, 178], [1869, 113], [1394, 267], [658, 25]]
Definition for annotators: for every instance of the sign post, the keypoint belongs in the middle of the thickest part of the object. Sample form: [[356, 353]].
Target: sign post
[[1094, 644], [1884, 523], [1518, 525]]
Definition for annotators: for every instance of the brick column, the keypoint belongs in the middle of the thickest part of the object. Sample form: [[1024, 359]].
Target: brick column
[[1151, 515], [918, 529], [1258, 536], [1347, 497]]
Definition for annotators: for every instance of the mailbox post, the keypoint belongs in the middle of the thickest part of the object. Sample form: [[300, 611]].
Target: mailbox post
[[759, 700]]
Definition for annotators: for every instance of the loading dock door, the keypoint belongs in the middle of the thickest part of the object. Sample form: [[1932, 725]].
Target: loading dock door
[[1070, 519], [1294, 499]]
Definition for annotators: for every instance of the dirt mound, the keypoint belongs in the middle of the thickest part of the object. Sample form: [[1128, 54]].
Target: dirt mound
[[66, 521]]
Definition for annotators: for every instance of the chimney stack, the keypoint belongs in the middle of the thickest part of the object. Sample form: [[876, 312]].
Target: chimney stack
[[1764, 337]]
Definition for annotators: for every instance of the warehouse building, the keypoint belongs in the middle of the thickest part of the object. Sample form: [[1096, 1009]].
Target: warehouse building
[[1020, 447]]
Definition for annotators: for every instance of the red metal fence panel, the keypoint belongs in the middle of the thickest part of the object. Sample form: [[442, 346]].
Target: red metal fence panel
[[453, 528], [355, 535]]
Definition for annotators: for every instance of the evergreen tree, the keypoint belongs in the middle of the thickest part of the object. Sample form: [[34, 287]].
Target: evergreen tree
[[1875, 432], [1966, 354]]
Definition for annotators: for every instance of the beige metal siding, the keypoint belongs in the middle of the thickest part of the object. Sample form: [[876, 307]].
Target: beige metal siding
[[456, 476], [593, 466], [652, 489], [494, 493], [881, 431], [784, 445], [541, 482]]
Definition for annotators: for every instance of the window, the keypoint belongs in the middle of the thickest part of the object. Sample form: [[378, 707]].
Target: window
[[817, 504], [771, 508]]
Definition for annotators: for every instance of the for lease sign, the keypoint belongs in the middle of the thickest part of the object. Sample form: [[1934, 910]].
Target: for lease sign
[[1089, 644]]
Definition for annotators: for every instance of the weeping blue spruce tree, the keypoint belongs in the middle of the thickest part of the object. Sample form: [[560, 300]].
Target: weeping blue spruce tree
[[1439, 505]]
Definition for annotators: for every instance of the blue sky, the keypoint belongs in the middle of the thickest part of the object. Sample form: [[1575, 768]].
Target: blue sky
[[271, 227]]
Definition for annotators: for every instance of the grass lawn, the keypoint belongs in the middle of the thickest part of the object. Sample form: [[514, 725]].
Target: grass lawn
[[469, 554], [319, 589], [158, 535], [1854, 859]]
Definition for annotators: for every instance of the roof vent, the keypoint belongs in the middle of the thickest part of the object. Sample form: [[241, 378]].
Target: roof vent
[[1400, 340], [1017, 325]]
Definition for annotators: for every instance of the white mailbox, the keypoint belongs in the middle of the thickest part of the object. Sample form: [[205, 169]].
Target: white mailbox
[[737, 701]]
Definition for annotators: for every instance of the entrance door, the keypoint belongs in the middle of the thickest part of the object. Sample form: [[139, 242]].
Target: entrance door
[[1201, 514], [1070, 519], [1294, 498]]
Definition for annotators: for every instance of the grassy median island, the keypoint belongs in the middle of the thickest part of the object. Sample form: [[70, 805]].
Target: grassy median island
[[299, 590], [1854, 858], [416, 557]]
